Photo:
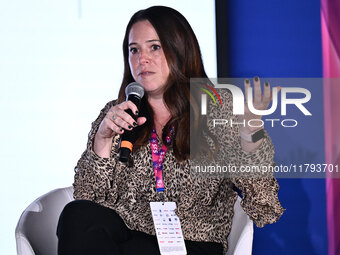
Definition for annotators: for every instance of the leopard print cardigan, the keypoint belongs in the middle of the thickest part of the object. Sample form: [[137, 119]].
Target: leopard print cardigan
[[204, 205]]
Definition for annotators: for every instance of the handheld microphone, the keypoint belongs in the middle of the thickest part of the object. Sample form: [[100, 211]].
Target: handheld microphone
[[134, 92]]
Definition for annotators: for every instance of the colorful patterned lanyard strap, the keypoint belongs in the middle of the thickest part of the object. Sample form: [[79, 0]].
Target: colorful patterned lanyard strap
[[158, 157]]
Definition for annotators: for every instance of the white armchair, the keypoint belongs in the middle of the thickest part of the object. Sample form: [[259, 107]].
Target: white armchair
[[37, 227], [36, 230], [240, 239]]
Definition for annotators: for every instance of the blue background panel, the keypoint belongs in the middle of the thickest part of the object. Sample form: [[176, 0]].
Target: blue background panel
[[282, 38]]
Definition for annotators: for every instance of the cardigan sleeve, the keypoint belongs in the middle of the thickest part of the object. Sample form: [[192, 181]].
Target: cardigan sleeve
[[259, 191], [93, 174]]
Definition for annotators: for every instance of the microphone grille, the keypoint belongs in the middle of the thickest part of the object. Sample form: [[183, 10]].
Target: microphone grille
[[134, 88]]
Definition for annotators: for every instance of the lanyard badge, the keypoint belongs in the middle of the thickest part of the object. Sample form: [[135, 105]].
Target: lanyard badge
[[168, 228], [167, 224], [158, 157]]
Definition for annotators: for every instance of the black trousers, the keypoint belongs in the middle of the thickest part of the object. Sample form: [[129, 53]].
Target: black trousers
[[86, 227]]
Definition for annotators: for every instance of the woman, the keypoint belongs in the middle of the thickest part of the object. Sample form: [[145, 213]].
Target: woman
[[112, 213]]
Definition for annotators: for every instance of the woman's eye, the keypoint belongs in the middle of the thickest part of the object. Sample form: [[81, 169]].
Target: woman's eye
[[156, 47], [133, 50]]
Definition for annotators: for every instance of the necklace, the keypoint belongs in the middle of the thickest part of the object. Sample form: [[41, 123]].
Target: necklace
[[162, 125], [159, 133]]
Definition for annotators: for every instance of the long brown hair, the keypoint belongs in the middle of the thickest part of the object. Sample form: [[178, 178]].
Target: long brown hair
[[184, 59]]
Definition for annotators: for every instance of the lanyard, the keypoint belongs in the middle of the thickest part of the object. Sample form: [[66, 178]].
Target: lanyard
[[158, 157]]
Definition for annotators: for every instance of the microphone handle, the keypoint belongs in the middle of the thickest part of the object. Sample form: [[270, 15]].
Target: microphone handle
[[136, 100], [128, 137]]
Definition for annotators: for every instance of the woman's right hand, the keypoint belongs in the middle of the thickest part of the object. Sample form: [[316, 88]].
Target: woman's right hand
[[115, 122]]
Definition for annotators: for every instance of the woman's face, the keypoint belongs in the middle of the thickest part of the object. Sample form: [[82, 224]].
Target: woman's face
[[147, 61]]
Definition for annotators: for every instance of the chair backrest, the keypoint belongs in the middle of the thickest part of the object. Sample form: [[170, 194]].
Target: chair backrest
[[240, 239], [36, 230]]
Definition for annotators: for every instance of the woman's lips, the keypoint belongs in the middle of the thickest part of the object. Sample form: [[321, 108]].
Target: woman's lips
[[145, 73]]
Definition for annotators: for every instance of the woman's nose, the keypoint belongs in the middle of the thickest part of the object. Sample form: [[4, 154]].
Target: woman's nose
[[144, 57]]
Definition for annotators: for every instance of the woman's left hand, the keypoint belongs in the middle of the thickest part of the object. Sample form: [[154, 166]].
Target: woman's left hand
[[260, 101]]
